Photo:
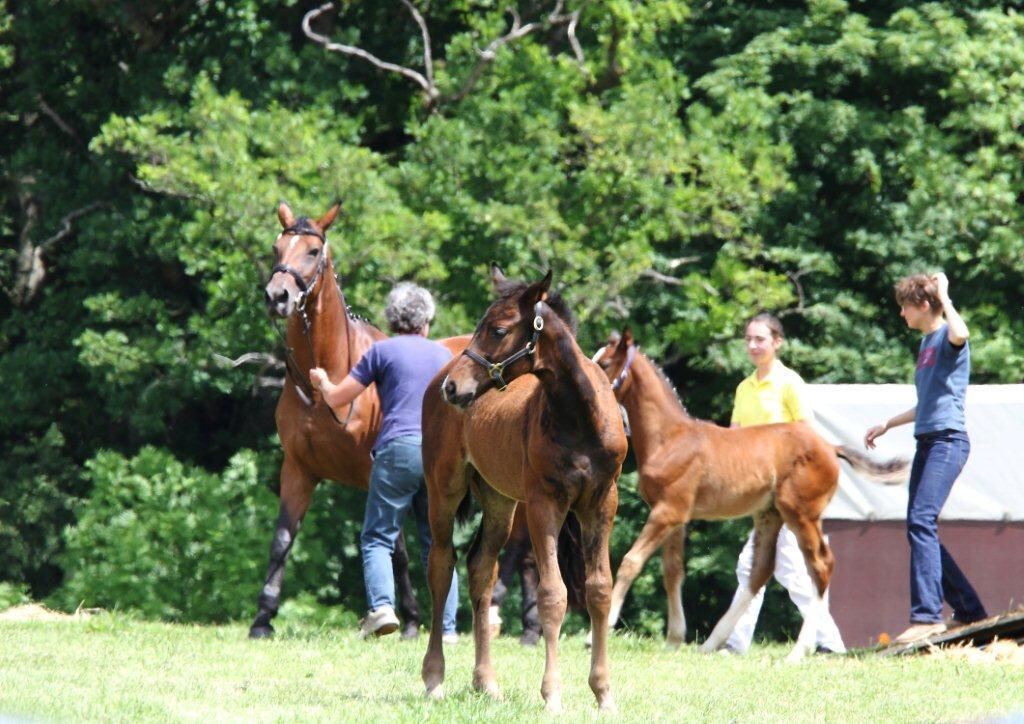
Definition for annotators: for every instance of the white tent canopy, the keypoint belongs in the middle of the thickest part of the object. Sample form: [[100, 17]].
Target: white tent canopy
[[991, 487]]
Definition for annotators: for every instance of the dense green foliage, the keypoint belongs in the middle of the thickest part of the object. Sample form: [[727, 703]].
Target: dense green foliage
[[703, 161]]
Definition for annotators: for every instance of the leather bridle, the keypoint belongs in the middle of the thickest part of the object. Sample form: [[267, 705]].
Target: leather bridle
[[495, 370]]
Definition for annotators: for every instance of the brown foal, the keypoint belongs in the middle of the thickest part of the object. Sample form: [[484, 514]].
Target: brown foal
[[317, 444], [553, 439], [691, 469]]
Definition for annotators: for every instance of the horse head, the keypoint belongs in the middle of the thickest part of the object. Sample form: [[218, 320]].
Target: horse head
[[300, 258], [502, 346], [616, 359]]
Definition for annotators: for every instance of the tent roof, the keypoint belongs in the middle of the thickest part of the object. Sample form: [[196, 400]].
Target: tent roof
[[991, 486]]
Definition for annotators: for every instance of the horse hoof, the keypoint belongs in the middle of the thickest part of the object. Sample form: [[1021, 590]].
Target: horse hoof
[[607, 706], [553, 705], [435, 693], [672, 645], [264, 631], [411, 632], [529, 638], [491, 689]]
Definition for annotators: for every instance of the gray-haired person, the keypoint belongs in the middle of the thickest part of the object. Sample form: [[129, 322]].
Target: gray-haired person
[[402, 367]]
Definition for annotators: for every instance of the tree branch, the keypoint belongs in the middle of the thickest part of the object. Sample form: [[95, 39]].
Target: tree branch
[[659, 277], [427, 84], [55, 117]]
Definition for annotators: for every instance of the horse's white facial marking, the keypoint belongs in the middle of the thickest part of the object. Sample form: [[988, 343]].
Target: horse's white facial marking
[[293, 242]]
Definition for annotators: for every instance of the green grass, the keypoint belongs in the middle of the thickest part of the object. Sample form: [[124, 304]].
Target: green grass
[[111, 668]]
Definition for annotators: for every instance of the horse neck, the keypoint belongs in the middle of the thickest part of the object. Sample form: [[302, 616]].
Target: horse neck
[[331, 336], [655, 413], [568, 389]]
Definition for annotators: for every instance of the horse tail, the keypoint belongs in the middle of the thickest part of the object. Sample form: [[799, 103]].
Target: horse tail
[[465, 509], [891, 472], [571, 562]]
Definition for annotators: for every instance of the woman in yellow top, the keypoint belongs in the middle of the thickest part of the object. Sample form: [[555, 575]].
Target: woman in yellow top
[[775, 393]]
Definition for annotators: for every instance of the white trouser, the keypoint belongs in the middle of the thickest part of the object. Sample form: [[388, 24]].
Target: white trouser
[[791, 572]]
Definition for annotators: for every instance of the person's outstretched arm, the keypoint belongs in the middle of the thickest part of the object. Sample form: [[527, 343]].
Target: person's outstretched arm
[[336, 395], [878, 430]]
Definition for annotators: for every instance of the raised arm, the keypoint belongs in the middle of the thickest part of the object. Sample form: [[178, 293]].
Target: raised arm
[[958, 332]]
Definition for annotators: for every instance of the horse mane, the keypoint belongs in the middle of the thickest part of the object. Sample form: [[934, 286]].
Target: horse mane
[[304, 225], [509, 288], [668, 384]]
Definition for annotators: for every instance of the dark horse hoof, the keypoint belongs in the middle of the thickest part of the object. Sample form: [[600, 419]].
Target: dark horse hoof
[[262, 631], [529, 638], [410, 631]]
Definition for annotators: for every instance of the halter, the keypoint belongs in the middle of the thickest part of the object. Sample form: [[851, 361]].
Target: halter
[[621, 377], [495, 369], [302, 385]]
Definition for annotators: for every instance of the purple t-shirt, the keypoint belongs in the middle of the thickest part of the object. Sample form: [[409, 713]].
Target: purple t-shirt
[[402, 367]]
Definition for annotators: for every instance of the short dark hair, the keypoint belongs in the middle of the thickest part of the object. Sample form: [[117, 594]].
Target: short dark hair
[[770, 321], [918, 288]]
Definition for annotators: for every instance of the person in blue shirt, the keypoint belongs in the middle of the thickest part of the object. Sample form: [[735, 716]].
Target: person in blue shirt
[[941, 376], [401, 366]]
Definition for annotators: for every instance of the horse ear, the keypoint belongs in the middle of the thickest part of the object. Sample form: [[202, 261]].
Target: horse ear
[[325, 221], [497, 275], [285, 215], [627, 338], [538, 291]]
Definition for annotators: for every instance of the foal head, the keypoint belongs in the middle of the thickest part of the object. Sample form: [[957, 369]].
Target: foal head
[[300, 258], [504, 342], [616, 359]]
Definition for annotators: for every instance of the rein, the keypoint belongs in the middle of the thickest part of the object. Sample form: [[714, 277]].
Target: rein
[[495, 369], [302, 384]]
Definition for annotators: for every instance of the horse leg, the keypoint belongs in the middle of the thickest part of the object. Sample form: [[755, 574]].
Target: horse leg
[[673, 570], [530, 580], [545, 519], [295, 493], [766, 532], [446, 487], [659, 524], [820, 563], [482, 565], [596, 524], [404, 594]]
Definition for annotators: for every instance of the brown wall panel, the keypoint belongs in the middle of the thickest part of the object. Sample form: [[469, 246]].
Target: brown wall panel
[[870, 590]]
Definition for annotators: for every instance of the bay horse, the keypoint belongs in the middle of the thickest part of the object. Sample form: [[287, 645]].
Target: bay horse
[[691, 469], [320, 332], [539, 426]]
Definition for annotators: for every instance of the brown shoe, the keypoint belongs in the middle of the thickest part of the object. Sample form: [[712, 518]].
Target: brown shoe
[[919, 632]]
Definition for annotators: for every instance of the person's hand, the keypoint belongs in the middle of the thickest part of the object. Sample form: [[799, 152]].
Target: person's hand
[[875, 432], [942, 285], [318, 378]]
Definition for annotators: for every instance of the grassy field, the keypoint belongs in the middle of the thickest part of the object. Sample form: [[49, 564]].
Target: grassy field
[[110, 668]]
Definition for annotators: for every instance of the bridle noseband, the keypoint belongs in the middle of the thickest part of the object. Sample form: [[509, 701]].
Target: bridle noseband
[[302, 384], [304, 289], [495, 370]]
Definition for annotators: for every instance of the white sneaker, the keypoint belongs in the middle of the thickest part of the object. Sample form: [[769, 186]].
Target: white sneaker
[[378, 622], [450, 638]]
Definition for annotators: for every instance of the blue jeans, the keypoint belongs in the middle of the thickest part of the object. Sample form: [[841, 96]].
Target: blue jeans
[[396, 485], [934, 575]]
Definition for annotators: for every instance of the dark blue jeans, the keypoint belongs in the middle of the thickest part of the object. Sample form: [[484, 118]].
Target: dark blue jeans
[[934, 575], [396, 487]]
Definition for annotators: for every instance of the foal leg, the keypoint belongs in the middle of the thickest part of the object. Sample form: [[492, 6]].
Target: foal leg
[[443, 497], [483, 567], [766, 531], [820, 564], [545, 519], [673, 570], [660, 522], [296, 492], [597, 527]]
